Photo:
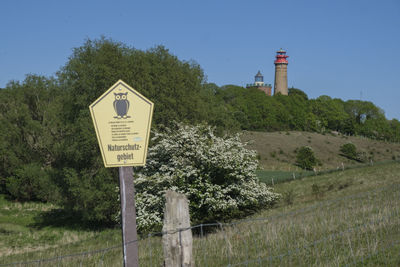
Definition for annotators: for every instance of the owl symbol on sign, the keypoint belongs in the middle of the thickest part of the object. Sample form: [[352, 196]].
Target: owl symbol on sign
[[121, 105]]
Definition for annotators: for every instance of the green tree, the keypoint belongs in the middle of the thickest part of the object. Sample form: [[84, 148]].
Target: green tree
[[362, 110], [299, 111], [330, 112], [394, 131], [305, 158], [217, 112], [349, 150], [369, 120], [29, 137], [176, 87], [295, 91]]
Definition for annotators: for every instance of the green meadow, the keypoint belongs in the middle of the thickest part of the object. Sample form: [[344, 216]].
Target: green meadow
[[344, 218]]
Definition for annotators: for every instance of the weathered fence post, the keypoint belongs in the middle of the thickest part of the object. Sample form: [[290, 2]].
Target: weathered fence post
[[177, 236]]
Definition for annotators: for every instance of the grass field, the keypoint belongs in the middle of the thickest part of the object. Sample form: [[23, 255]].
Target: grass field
[[276, 150], [347, 218], [277, 177]]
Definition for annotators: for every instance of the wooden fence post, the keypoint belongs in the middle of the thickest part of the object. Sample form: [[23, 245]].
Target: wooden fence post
[[177, 244], [128, 217]]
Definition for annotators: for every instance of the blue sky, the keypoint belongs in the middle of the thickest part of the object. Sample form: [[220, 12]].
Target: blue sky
[[344, 49]]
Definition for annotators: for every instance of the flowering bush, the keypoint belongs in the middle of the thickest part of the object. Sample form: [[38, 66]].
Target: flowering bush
[[216, 174]]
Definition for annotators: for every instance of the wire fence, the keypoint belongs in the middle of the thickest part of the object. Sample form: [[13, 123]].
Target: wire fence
[[277, 177], [357, 230]]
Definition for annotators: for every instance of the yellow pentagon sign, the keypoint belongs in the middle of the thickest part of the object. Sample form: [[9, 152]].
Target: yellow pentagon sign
[[122, 119]]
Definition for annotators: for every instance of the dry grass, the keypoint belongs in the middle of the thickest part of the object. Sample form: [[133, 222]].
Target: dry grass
[[276, 149]]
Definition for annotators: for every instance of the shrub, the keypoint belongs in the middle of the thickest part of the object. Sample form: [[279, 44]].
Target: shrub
[[216, 174], [31, 182], [349, 151], [317, 191], [288, 196], [305, 158]]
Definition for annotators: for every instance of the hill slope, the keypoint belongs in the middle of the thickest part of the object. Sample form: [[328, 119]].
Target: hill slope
[[277, 149], [353, 218]]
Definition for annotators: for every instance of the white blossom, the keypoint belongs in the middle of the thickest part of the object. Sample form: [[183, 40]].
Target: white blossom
[[216, 174]]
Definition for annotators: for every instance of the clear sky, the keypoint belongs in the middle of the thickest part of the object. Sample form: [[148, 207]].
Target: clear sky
[[349, 49]]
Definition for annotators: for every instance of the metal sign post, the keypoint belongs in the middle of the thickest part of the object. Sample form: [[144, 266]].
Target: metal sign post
[[128, 216]]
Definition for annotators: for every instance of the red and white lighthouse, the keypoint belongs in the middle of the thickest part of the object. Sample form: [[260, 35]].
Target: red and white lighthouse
[[281, 84]]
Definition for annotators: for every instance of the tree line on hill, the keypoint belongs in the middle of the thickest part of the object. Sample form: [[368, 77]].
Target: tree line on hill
[[48, 146], [251, 109]]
